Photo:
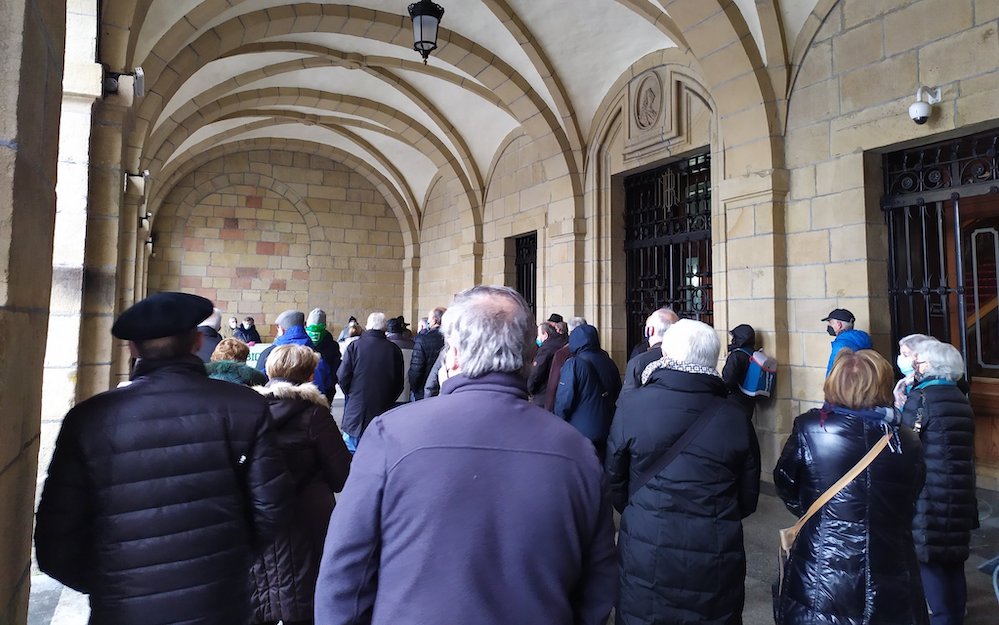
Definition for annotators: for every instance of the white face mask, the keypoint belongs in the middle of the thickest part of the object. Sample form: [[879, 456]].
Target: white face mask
[[904, 365]]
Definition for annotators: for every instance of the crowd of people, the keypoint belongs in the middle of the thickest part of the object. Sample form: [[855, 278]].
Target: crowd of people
[[479, 463]]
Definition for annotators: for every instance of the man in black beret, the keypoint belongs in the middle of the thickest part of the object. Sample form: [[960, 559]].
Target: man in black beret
[[159, 492]]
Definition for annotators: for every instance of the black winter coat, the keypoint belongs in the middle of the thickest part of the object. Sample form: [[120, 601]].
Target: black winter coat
[[250, 335], [853, 562], [680, 543], [157, 494], [425, 350], [588, 387], [371, 377], [636, 367], [737, 364], [329, 352], [947, 509], [537, 379], [284, 575], [209, 341]]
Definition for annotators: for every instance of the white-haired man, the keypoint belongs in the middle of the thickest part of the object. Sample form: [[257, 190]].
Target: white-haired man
[[655, 329], [210, 337], [370, 375], [689, 512], [476, 506]]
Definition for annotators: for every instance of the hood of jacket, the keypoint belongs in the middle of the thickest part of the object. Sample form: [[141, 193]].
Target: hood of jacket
[[279, 389], [583, 338], [854, 339], [294, 335], [743, 337]]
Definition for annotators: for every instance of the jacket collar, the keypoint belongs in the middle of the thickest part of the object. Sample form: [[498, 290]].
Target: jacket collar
[[684, 381], [294, 334], [502, 382], [189, 363]]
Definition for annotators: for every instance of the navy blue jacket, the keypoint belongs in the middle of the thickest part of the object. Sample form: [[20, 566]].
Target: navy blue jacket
[[513, 494], [589, 386], [426, 347]]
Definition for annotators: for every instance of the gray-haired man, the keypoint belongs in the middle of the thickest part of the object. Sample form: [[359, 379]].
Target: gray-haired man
[[485, 508]]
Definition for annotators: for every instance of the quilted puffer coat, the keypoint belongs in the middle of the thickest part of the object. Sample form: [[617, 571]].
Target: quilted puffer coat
[[681, 545], [947, 509], [853, 563], [158, 493], [284, 575]]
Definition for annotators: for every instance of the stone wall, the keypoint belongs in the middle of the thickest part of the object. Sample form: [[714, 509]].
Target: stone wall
[[32, 33], [264, 231]]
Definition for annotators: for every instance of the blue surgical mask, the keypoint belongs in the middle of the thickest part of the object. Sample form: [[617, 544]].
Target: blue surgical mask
[[905, 365], [538, 342]]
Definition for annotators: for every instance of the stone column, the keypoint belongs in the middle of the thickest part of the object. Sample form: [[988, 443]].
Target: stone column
[[32, 37], [101, 250]]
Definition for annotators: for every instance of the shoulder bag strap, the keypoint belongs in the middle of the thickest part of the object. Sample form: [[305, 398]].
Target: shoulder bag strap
[[843, 481], [671, 454]]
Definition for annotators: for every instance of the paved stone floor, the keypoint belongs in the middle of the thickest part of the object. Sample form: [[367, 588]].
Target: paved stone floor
[[51, 604]]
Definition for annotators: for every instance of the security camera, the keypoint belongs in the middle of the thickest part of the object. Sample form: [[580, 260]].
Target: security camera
[[921, 109], [920, 112]]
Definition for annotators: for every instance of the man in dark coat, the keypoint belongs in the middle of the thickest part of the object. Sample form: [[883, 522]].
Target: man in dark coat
[[247, 332], [426, 347], [329, 352], [370, 376], [561, 355], [655, 329], [397, 331], [682, 555], [209, 330], [474, 507], [549, 341], [740, 351], [159, 491], [588, 387]]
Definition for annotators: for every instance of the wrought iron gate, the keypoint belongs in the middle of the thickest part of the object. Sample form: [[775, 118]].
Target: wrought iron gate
[[526, 266], [668, 242], [942, 209]]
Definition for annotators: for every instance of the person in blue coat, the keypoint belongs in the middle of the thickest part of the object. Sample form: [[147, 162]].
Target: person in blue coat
[[588, 387], [839, 324], [475, 506]]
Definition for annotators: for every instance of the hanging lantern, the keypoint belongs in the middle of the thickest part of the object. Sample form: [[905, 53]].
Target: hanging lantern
[[426, 18]]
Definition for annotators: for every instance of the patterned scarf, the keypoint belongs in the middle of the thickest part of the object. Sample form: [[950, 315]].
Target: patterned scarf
[[675, 365]]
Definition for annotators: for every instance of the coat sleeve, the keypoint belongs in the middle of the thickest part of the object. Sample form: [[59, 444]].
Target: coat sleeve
[[417, 366], [565, 396], [63, 534], [268, 485], [345, 372], [348, 572], [596, 593], [789, 472], [539, 371], [334, 459], [749, 476], [618, 462], [433, 386], [398, 369], [734, 371]]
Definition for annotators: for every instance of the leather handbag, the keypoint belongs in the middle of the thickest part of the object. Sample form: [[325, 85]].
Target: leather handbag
[[787, 535]]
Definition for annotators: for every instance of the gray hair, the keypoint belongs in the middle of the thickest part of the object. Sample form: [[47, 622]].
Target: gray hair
[[575, 322], [290, 319], [692, 342], [943, 360], [912, 340], [492, 328], [661, 320], [214, 320], [376, 321]]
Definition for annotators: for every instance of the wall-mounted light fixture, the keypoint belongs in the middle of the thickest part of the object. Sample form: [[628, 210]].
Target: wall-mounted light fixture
[[136, 183], [138, 84], [426, 17], [144, 220], [921, 109], [149, 246]]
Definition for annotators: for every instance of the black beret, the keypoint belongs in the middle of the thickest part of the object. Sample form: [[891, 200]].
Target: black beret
[[555, 318], [161, 315]]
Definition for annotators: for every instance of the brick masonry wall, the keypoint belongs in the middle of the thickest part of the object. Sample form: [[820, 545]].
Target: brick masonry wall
[[327, 239]]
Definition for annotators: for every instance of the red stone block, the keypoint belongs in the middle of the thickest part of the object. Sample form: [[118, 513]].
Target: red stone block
[[299, 274], [254, 201], [281, 249], [265, 247], [232, 235], [278, 285], [247, 272], [190, 282]]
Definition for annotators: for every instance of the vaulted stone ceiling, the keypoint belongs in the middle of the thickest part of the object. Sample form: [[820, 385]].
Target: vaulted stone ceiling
[[344, 76]]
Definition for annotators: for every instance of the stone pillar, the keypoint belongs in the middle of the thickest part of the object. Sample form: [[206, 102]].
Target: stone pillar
[[750, 269], [101, 250], [411, 285], [32, 37]]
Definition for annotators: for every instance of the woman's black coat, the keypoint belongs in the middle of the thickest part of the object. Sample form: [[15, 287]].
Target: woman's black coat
[[681, 545], [853, 562], [741, 350], [947, 509], [284, 575]]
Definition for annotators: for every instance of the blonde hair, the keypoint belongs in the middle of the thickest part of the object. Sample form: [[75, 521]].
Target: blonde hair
[[859, 380], [296, 363], [231, 349]]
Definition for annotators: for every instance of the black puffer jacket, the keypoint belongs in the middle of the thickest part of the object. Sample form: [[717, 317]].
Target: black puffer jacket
[[157, 494], [426, 347], [681, 546], [853, 562], [947, 509], [284, 575]]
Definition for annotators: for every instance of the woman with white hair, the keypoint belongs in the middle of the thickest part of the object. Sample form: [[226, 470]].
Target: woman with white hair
[[681, 547], [906, 354], [947, 509]]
